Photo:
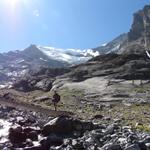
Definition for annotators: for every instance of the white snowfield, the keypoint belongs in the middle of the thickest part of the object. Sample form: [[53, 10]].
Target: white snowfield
[[71, 56]]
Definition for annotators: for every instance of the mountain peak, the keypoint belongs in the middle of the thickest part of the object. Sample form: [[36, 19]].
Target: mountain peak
[[31, 47], [136, 41], [140, 30]]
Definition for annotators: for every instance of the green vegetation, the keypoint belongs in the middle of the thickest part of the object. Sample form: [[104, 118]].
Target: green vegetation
[[135, 115], [67, 93], [141, 89], [128, 114], [144, 128], [132, 115]]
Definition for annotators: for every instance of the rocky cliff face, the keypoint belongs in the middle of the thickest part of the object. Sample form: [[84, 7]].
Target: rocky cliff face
[[113, 46], [139, 35], [136, 41], [141, 27]]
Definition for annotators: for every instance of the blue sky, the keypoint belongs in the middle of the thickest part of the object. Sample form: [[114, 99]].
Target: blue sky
[[64, 23]]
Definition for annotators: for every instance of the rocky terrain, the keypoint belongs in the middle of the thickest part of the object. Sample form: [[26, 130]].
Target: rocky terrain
[[29, 130], [105, 101]]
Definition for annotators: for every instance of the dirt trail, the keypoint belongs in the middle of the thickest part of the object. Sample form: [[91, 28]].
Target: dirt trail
[[32, 107]]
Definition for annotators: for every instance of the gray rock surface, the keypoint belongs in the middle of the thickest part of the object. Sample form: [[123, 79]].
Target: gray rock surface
[[59, 134]]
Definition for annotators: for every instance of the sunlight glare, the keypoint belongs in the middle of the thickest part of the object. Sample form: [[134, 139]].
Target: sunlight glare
[[13, 3]]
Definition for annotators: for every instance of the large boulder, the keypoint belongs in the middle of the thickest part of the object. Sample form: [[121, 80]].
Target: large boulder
[[34, 83], [59, 125], [51, 140], [45, 84], [66, 125], [22, 85], [16, 135]]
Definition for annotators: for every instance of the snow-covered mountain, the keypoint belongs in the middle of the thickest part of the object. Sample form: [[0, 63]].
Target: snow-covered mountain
[[15, 64], [70, 56], [51, 56]]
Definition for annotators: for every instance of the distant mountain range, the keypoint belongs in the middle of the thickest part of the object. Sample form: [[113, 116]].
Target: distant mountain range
[[49, 56], [37, 56], [17, 63]]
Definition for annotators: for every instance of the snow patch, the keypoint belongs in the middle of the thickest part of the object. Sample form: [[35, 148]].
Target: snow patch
[[7, 85], [43, 59], [2, 86], [104, 44], [4, 128], [17, 73], [114, 49], [19, 61], [148, 54]]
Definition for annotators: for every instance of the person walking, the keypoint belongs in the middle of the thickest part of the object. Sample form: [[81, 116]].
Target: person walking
[[56, 99]]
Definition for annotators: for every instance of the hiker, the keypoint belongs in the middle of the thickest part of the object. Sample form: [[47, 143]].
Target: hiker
[[56, 99]]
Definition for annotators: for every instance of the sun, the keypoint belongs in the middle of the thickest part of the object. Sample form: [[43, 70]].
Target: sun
[[13, 3]]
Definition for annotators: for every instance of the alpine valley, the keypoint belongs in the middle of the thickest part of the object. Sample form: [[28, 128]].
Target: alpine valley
[[105, 94]]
